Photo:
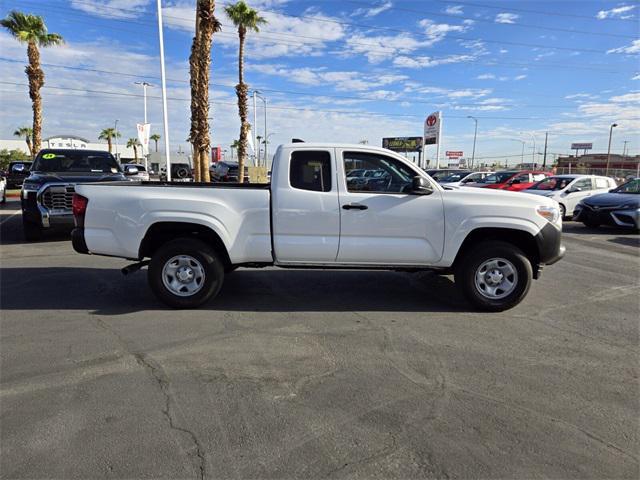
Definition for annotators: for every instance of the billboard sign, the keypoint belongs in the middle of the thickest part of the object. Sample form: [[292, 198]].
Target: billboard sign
[[457, 154], [432, 129], [402, 144], [581, 146]]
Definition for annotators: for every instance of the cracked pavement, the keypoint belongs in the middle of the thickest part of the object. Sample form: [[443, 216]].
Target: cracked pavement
[[317, 374]]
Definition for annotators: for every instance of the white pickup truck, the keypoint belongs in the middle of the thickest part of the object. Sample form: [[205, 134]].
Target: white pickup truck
[[310, 216]]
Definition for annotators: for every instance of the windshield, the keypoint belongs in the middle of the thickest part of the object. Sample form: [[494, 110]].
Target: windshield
[[498, 177], [552, 183], [630, 187], [88, 162]]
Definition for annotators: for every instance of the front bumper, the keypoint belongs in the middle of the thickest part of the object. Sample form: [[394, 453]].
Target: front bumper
[[34, 210], [550, 248], [615, 217]]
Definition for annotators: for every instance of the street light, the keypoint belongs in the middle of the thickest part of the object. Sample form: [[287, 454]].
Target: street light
[[523, 144], [257, 93], [533, 152], [609, 149], [115, 127], [475, 134]]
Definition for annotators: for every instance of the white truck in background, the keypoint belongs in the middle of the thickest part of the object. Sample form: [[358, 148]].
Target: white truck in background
[[310, 216]]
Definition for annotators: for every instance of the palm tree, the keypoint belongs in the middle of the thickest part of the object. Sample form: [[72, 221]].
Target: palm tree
[[134, 143], [245, 19], [108, 134], [155, 137], [30, 29], [199, 66], [27, 133]]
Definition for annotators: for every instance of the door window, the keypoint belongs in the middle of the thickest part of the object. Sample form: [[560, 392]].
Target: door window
[[310, 170], [524, 178], [538, 176], [602, 183], [386, 174], [583, 184]]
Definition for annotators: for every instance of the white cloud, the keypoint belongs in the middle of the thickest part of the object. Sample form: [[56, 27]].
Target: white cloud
[[633, 97], [503, 51], [580, 96], [112, 8], [617, 12], [373, 11], [506, 18], [633, 48], [379, 48], [454, 10], [636, 77], [520, 77], [427, 62], [438, 31], [486, 76]]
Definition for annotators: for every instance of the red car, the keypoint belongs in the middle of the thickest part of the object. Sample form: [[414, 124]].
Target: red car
[[515, 180]]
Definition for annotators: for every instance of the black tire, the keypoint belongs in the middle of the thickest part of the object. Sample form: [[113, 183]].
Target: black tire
[[202, 253], [465, 275], [32, 231]]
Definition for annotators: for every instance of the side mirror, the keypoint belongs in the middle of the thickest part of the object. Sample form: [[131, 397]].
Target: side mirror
[[18, 168], [130, 170], [515, 181], [421, 186]]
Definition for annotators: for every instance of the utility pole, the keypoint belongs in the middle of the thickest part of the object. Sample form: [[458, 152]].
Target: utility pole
[[475, 134], [165, 113], [544, 159], [624, 149], [609, 149]]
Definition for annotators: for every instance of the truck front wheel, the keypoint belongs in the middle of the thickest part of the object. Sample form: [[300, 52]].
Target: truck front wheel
[[494, 276], [185, 273]]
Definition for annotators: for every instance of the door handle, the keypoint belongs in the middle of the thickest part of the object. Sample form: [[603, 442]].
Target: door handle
[[354, 206]]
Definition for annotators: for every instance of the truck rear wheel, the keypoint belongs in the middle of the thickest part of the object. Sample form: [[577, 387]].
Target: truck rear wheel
[[185, 273], [494, 276]]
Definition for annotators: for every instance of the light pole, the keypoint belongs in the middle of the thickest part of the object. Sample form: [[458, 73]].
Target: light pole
[[144, 96], [475, 135], [533, 152], [257, 94], [523, 144], [165, 112], [609, 149], [115, 128]]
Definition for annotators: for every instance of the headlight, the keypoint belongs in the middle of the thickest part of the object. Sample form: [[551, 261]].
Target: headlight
[[29, 187], [552, 214]]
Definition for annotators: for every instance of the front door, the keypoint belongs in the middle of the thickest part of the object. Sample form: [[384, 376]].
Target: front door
[[382, 222], [578, 190]]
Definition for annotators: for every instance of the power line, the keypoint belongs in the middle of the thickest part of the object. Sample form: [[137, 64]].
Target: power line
[[326, 20], [274, 107], [291, 92], [538, 12], [483, 20]]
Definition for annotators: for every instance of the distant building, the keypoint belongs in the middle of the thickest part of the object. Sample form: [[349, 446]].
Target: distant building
[[65, 141], [599, 161]]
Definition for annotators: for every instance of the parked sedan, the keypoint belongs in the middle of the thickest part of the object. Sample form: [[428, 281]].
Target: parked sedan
[[515, 180], [568, 190], [620, 207]]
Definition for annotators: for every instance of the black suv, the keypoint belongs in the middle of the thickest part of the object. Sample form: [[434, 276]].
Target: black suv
[[16, 173], [48, 191], [180, 172]]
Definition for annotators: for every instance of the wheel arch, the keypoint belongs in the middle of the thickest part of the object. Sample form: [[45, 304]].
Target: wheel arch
[[160, 233], [519, 238]]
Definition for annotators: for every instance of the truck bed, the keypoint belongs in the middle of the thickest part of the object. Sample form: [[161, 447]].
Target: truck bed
[[121, 213]]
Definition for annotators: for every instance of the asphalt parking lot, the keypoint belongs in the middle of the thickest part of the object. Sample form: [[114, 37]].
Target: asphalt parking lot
[[295, 374]]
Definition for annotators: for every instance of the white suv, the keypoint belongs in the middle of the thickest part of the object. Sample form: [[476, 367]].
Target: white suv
[[568, 190]]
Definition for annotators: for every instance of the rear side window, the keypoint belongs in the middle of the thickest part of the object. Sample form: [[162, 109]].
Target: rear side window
[[602, 183], [538, 176], [310, 170]]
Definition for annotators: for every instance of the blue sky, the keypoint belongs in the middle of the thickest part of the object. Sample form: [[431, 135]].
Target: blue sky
[[350, 70]]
